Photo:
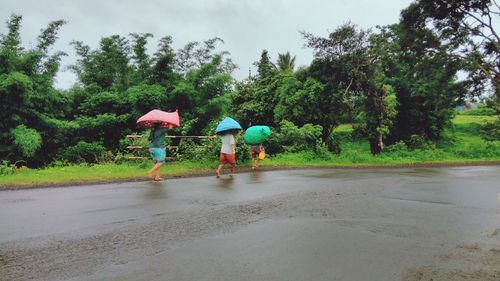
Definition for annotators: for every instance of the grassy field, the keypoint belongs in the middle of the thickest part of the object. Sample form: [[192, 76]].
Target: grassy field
[[467, 119], [461, 145]]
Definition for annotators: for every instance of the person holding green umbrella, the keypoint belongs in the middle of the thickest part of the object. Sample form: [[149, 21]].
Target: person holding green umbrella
[[255, 136]]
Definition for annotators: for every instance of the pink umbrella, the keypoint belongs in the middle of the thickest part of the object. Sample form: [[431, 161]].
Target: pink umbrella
[[158, 116]]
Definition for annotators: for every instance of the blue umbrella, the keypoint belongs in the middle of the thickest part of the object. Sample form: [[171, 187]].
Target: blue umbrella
[[227, 124]]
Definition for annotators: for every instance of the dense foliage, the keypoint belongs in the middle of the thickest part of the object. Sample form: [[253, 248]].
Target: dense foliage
[[398, 85]]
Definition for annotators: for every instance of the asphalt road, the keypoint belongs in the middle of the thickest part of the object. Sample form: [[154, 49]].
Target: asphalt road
[[321, 224]]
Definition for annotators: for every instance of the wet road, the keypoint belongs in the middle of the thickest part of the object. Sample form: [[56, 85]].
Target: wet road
[[322, 224]]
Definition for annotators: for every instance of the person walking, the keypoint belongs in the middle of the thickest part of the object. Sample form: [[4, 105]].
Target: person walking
[[227, 153], [255, 150], [157, 149]]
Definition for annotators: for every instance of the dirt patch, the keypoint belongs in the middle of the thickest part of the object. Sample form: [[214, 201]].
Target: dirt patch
[[439, 274], [466, 263], [495, 233]]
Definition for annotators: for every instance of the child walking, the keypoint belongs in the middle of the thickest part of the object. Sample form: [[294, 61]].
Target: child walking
[[255, 151]]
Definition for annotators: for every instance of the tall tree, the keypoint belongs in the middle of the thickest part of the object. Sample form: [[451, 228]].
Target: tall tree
[[343, 66], [255, 98], [28, 102], [265, 68], [108, 66], [202, 96], [470, 28], [163, 68], [426, 84], [286, 62], [141, 60]]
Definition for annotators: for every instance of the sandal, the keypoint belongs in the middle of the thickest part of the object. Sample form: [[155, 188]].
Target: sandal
[[217, 174]]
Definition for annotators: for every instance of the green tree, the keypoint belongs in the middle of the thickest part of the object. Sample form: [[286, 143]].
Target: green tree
[[377, 119], [424, 73], [108, 66], [195, 54], [342, 65], [286, 62], [298, 102], [255, 98], [469, 28], [202, 95], [163, 68], [27, 96], [142, 63], [245, 106], [265, 68]]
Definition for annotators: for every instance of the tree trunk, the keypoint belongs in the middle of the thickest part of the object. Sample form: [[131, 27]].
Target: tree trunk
[[375, 146]]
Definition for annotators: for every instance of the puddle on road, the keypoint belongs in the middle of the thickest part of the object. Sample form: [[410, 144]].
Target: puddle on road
[[225, 182], [155, 191]]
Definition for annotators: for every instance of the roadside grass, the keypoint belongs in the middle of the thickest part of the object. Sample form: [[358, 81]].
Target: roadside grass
[[461, 145], [98, 173]]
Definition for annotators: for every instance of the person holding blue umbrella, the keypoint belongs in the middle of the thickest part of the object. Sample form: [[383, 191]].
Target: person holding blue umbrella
[[226, 129]]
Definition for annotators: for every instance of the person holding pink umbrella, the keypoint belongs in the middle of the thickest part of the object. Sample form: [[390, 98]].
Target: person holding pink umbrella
[[157, 149], [159, 121]]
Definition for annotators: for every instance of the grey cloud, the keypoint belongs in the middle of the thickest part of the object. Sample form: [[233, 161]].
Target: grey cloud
[[246, 26]]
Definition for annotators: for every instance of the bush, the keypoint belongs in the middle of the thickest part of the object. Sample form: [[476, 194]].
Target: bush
[[291, 138], [322, 151], [83, 152], [469, 128], [27, 140], [6, 168], [491, 131], [482, 110], [416, 141], [480, 150], [397, 147], [359, 132], [198, 151], [333, 143]]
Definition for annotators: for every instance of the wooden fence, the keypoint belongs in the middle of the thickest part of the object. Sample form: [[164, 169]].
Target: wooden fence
[[173, 148]]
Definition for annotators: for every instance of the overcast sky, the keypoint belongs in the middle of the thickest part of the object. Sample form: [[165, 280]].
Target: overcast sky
[[246, 26]]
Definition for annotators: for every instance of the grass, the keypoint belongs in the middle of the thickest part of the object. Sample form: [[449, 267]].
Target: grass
[[467, 119], [344, 128], [98, 173], [461, 145]]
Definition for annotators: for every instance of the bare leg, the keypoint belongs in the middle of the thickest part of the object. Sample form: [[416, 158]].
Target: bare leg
[[158, 178], [154, 169], [217, 172], [233, 165]]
